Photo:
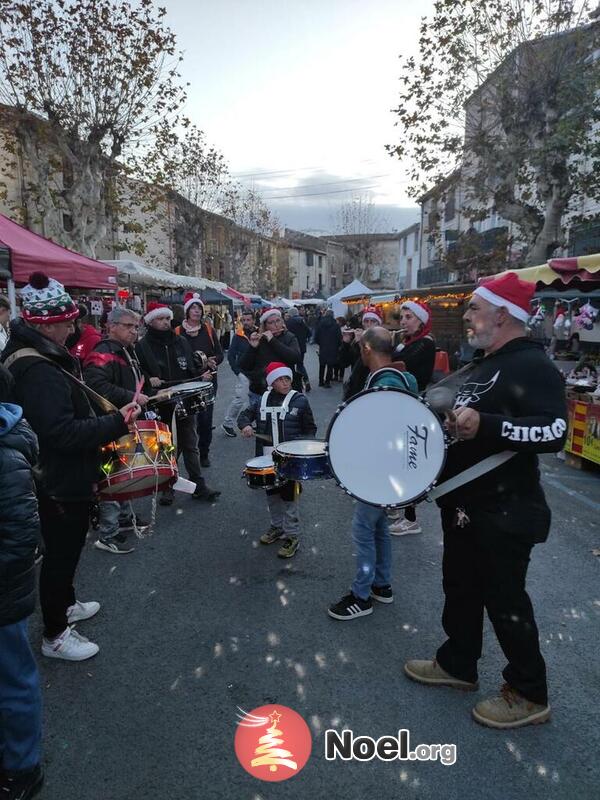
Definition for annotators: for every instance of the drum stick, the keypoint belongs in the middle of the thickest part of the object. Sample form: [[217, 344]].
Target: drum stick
[[138, 390]]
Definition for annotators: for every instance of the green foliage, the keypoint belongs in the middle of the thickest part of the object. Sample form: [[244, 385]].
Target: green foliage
[[506, 92]]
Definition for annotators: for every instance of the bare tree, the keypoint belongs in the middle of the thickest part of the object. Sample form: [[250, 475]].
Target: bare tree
[[89, 81], [356, 220], [506, 92]]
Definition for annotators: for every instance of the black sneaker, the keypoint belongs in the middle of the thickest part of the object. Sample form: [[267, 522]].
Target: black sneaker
[[350, 607], [307, 387], [382, 594], [166, 499], [140, 525], [229, 431], [21, 785], [204, 461], [206, 494], [116, 544]]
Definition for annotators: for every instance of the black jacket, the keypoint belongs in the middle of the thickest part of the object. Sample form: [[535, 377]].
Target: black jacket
[[19, 521], [113, 371], [329, 338], [419, 357], [284, 348], [298, 423], [520, 396], [239, 346], [165, 355], [69, 432], [300, 329], [205, 342]]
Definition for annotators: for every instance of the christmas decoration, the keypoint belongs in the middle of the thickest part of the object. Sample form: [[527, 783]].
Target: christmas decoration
[[586, 317], [269, 753]]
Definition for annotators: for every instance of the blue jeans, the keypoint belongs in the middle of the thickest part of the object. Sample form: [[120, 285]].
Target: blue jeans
[[371, 536], [112, 514], [20, 700]]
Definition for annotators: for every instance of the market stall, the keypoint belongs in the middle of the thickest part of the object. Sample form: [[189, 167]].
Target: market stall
[[25, 252]]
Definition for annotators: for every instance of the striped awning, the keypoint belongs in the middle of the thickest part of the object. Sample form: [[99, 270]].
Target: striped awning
[[563, 270]]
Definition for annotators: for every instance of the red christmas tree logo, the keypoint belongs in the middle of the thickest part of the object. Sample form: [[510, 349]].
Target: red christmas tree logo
[[272, 743]]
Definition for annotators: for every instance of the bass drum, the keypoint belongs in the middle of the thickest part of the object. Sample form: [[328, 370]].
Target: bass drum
[[386, 447]]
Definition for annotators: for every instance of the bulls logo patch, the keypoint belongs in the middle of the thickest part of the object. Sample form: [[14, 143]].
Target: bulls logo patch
[[470, 393]]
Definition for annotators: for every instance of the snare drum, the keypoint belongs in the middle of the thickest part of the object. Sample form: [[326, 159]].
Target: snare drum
[[138, 464], [188, 398], [301, 460], [260, 473], [402, 447]]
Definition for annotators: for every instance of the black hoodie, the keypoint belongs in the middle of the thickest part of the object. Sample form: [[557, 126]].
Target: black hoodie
[[520, 396], [69, 432]]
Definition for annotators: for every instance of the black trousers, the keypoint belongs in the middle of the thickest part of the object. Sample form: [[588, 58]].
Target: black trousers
[[325, 373], [64, 527], [484, 567], [205, 425]]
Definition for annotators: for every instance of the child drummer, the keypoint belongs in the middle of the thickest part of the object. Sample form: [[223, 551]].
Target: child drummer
[[281, 415]]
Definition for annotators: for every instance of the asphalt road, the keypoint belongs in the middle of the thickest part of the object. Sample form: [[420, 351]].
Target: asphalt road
[[201, 619]]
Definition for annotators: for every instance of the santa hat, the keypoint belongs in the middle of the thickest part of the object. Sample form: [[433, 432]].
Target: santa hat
[[421, 311], [270, 312], [509, 292], [45, 301], [156, 310], [371, 312], [189, 300], [277, 369]]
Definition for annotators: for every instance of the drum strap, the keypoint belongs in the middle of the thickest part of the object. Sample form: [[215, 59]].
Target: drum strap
[[28, 352], [471, 474], [275, 412]]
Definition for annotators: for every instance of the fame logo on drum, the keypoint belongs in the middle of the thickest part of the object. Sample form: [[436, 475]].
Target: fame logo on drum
[[272, 743], [415, 438]]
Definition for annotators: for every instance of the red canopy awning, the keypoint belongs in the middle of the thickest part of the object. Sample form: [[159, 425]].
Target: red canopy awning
[[237, 295], [30, 253]]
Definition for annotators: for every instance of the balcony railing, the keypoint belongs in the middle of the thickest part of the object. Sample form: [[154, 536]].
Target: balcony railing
[[435, 275]]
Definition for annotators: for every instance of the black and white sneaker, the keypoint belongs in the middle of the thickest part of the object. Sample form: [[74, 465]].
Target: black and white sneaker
[[229, 431], [116, 544], [138, 525], [350, 607], [383, 594]]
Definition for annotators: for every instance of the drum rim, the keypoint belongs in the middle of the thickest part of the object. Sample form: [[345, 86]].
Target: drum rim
[[281, 454], [338, 411]]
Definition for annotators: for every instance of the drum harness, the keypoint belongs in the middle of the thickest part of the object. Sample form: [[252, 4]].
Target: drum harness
[[277, 412], [105, 405]]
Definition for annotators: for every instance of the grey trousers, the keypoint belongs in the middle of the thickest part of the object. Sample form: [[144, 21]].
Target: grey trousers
[[284, 514], [238, 402]]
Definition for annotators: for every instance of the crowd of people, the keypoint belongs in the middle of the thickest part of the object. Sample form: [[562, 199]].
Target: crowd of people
[[65, 392]]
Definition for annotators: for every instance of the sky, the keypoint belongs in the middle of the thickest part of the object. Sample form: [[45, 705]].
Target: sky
[[297, 94]]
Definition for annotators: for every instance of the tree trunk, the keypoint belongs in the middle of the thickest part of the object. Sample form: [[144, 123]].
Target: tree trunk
[[548, 237]]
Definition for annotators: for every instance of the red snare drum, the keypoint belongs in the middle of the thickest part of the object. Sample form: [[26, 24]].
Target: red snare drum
[[138, 464]]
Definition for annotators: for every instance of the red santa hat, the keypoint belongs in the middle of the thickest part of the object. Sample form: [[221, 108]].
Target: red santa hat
[[277, 369], [371, 312], [509, 292], [270, 312], [189, 299], [156, 310], [421, 311]]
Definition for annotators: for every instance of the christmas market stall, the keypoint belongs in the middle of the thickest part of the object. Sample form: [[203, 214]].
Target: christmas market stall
[[24, 252], [566, 317]]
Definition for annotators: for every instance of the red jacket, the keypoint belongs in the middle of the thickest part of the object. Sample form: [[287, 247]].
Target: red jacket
[[87, 341]]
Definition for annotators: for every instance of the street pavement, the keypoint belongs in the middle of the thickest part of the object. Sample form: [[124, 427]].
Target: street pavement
[[202, 620]]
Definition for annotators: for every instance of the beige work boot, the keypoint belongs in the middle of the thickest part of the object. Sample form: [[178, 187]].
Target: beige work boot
[[510, 710], [431, 674]]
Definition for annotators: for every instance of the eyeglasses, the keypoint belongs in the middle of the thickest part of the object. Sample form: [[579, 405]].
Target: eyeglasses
[[131, 325]]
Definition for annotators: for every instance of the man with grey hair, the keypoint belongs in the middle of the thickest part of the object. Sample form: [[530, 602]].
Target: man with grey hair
[[113, 370], [512, 399]]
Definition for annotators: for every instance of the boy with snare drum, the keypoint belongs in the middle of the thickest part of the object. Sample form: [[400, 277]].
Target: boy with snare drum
[[281, 415]]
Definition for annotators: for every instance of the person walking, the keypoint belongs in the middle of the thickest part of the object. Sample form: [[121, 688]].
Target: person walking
[[328, 338]]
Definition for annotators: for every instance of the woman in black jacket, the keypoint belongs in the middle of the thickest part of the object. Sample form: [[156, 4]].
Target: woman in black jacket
[[20, 696], [272, 343], [328, 337]]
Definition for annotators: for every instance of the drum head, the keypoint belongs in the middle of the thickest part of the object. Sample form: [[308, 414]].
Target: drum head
[[190, 388], [386, 447], [260, 462], [302, 447]]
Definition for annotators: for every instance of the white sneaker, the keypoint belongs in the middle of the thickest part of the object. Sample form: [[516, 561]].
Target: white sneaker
[[70, 646], [82, 611], [403, 526]]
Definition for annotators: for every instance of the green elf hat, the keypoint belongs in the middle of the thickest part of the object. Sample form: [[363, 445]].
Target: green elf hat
[[45, 301]]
